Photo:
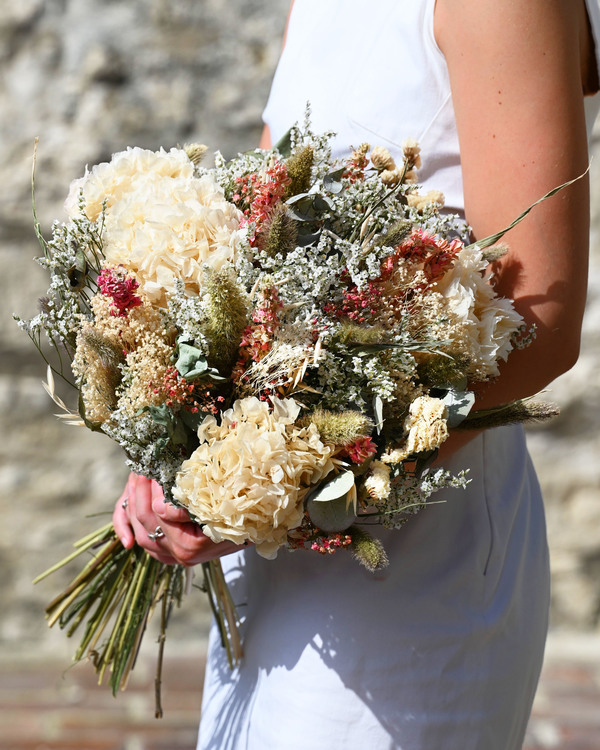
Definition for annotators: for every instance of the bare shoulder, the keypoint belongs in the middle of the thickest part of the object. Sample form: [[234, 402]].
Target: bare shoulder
[[506, 24], [515, 74]]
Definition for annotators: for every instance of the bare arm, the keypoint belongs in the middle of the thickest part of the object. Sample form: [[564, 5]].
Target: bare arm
[[515, 73]]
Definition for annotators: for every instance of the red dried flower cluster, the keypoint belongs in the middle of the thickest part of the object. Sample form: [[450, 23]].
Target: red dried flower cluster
[[327, 545], [324, 544], [359, 450], [190, 396], [356, 165], [434, 254], [357, 305], [120, 287], [258, 336], [259, 194]]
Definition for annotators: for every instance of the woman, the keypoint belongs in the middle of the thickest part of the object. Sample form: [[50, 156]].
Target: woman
[[444, 648]]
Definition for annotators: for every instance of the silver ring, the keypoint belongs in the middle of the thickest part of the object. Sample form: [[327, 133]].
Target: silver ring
[[125, 502], [156, 534]]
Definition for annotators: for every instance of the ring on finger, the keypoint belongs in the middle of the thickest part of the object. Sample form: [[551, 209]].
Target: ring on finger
[[125, 502], [158, 533]]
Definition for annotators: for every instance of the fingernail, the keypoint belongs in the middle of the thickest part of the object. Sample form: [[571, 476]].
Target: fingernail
[[158, 506]]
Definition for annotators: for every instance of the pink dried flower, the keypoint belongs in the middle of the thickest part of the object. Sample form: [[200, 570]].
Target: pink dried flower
[[436, 255], [120, 287], [257, 338], [359, 450], [327, 545], [259, 194]]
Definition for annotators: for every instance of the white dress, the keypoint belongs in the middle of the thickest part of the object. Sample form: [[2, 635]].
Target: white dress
[[443, 649]]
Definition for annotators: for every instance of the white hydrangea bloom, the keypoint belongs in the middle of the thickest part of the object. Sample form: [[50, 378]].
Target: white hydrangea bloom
[[485, 322], [162, 223], [247, 479]]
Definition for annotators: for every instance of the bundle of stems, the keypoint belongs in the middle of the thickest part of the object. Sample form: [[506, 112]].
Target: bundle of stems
[[116, 593]]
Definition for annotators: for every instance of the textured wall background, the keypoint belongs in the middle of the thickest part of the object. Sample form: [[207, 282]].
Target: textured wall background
[[90, 77]]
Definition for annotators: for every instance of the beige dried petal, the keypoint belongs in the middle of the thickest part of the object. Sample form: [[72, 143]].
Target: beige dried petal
[[390, 178], [427, 429], [382, 159], [247, 479], [162, 223], [377, 484]]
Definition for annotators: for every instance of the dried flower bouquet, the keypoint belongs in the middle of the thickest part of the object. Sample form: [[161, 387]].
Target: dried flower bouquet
[[282, 341]]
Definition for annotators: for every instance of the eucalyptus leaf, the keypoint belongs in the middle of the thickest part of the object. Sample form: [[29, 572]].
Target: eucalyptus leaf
[[284, 144], [192, 420], [424, 461], [321, 203], [459, 404], [191, 364], [337, 487], [333, 181], [191, 361], [308, 238], [164, 417], [307, 206], [333, 516]]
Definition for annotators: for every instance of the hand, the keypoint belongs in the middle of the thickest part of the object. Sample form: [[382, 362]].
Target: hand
[[141, 509]]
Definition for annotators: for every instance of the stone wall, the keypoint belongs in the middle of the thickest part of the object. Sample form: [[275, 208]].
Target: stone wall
[[90, 77]]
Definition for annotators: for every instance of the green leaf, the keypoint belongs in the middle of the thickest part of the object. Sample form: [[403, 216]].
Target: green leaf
[[333, 182], [284, 144], [192, 420], [337, 487], [333, 516], [192, 364], [424, 461], [308, 238], [307, 206], [459, 404], [164, 417]]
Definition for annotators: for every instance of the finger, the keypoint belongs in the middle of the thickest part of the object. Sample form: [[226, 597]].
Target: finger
[[189, 546], [120, 520], [171, 513], [166, 510]]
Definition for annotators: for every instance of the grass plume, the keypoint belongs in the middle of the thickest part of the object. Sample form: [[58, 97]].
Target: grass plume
[[281, 232], [341, 428], [523, 411], [299, 168], [367, 550], [227, 314], [396, 234]]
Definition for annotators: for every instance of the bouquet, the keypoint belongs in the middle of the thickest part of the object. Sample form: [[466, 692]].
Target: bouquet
[[282, 341]]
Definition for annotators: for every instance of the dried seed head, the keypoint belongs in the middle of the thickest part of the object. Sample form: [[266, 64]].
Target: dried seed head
[[382, 159], [390, 177], [227, 314], [412, 151], [396, 234], [195, 152], [494, 252], [299, 168], [281, 232], [341, 428], [420, 202], [367, 550]]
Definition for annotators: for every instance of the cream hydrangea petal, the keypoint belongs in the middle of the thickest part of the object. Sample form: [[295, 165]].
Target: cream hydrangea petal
[[161, 222], [247, 479], [485, 323]]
